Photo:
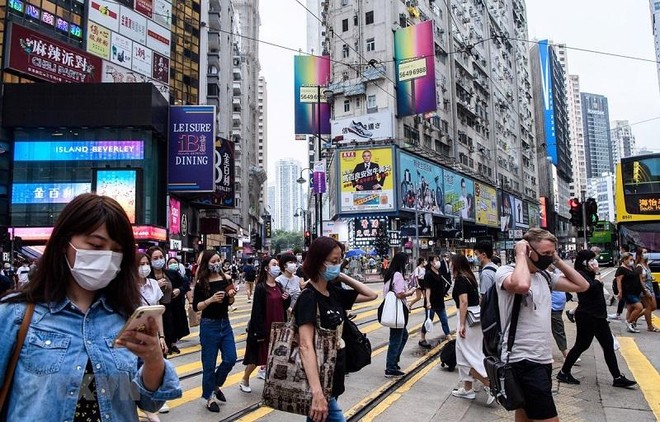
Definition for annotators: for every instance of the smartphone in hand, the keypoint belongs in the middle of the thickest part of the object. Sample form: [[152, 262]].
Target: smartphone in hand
[[139, 321]]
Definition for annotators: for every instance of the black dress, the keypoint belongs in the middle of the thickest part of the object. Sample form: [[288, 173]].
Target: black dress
[[175, 318]]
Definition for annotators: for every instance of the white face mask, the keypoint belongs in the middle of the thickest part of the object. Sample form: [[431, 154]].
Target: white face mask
[[158, 263], [275, 271], [436, 264], [144, 270], [94, 270], [291, 267]]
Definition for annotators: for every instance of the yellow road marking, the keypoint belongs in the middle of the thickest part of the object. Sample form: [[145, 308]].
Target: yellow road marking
[[645, 374]]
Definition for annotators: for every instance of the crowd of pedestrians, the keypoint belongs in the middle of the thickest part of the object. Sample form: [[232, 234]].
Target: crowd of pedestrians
[[100, 279]]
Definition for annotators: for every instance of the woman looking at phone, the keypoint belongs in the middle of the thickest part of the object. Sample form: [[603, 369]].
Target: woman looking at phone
[[84, 291], [214, 292]]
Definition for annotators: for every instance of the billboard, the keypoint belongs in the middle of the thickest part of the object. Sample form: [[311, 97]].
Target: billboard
[[366, 230], [146, 7], [133, 25], [121, 50], [161, 68], [522, 213], [43, 233], [318, 176], [98, 40], [414, 56], [158, 38], [359, 128], [117, 74], [223, 196], [39, 56], [545, 58], [543, 214], [191, 149], [485, 199], [367, 180], [78, 150], [47, 193], [534, 215], [311, 72], [507, 212], [421, 185], [104, 12], [175, 216], [459, 195], [142, 59], [120, 184], [163, 13]]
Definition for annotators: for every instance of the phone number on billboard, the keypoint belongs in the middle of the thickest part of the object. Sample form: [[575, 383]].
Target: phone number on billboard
[[412, 69]]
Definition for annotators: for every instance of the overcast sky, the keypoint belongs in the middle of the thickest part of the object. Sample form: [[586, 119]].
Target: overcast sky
[[613, 26]]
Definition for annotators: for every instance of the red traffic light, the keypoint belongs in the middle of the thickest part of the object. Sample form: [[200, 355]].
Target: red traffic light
[[307, 233], [574, 203]]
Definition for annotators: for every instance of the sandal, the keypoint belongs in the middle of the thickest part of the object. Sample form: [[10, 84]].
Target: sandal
[[654, 329]]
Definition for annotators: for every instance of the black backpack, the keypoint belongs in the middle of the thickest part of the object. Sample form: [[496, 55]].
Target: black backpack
[[490, 320], [358, 347], [448, 355]]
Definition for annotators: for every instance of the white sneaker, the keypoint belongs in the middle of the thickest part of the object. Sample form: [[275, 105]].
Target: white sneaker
[[489, 397], [578, 362], [261, 374], [614, 316], [164, 409], [632, 329], [244, 388], [460, 392], [152, 417]]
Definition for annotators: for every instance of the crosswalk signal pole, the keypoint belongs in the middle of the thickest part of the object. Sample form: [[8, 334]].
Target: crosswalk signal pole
[[584, 219]]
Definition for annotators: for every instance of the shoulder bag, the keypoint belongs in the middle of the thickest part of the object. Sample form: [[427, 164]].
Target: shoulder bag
[[503, 383], [13, 360], [473, 316], [358, 347], [286, 387], [392, 313]]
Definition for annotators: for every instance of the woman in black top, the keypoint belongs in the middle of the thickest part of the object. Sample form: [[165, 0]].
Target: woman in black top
[[591, 321], [630, 289], [434, 299], [322, 265], [214, 292], [469, 354]]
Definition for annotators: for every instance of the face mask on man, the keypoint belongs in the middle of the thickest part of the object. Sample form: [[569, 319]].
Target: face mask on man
[[543, 261], [94, 270]]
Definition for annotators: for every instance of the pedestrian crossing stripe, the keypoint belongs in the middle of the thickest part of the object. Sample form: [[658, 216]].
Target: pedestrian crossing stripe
[[643, 372]]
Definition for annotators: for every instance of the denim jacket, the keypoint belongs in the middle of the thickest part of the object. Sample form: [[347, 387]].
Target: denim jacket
[[52, 362]]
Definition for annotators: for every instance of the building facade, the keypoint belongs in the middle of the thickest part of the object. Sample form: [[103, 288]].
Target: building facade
[[597, 140], [623, 140], [655, 23], [602, 190], [578, 159], [288, 197]]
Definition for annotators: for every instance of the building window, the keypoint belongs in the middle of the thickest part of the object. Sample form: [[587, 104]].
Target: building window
[[371, 44], [369, 18], [344, 51], [347, 105], [344, 25], [371, 101], [357, 102]]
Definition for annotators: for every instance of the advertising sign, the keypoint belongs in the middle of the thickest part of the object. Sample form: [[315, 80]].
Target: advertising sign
[[139, 232], [366, 230], [122, 186], [116, 74], [39, 56], [47, 193], [533, 215], [158, 38], [414, 56], [146, 7], [268, 226], [459, 196], [133, 25], [163, 13], [142, 60], [368, 126], [160, 70], [98, 40], [223, 196], [367, 180], [121, 50], [175, 216], [507, 212], [543, 214], [485, 198], [78, 150], [191, 152], [422, 184], [521, 213], [310, 72], [548, 101], [105, 13], [319, 177]]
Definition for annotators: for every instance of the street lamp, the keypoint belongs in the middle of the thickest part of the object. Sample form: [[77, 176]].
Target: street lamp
[[303, 213]]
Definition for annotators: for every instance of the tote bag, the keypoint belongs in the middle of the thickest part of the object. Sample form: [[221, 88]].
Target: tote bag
[[392, 313], [286, 387]]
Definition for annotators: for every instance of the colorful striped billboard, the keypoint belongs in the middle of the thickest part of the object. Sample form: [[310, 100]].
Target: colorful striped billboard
[[415, 69], [310, 73]]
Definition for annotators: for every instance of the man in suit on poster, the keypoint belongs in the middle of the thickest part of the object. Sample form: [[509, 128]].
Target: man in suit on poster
[[367, 175]]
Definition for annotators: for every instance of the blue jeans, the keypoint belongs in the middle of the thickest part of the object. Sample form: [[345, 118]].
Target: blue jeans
[[214, 335], [334, 412], [398, 339], [442, 314]]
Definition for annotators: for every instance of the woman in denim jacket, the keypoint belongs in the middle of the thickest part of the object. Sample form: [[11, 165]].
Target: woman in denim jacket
[[84, 290]]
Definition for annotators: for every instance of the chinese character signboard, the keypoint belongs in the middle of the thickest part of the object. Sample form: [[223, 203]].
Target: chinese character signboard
[[421, 185], [121, 50], [223, 196], [191, 149], [175, 216], [485, 198], [47, 193], [459, 196], [146, 7], [98, 40], [366, 230], [268, 226], [39, 56], [161, 68], [366, 180], [105, 13], [319, 177]]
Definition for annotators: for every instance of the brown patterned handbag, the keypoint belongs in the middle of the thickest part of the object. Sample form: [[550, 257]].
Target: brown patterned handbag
[[286, 387]]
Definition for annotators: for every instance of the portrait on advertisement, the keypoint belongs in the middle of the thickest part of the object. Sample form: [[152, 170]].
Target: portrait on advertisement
[[459, 196], [507, 212], [421, 185], [366, 179]]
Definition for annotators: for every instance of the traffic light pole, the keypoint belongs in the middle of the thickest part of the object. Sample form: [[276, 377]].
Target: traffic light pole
[[584, 219]]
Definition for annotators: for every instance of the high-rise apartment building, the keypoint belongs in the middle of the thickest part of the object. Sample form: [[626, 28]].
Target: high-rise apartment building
[[262, 136], [482, 127], [602, 190], [623, 140], [655, 23], [552, 128], [288, 197], [597, 139], [578, 159], [185, 52]]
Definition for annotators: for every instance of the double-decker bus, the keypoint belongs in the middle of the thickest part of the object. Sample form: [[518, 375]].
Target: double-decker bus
[[638, 205], [604, 236]]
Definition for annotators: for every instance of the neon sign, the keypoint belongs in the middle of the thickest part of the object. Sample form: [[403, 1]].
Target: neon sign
[[78, 150]]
